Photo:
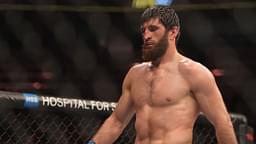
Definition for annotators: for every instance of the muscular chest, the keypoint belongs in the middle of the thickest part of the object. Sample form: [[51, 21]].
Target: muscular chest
[[159, 89]]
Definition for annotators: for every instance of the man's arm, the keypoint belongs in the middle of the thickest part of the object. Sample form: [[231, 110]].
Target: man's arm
[[210, 102], [117, 121]]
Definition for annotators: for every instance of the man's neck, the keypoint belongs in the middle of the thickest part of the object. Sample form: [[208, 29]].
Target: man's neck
[[169, 57]]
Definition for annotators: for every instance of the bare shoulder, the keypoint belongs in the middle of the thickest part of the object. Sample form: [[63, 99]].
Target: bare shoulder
[[194, 71], [138, 67], [189, 66], [136, 70]]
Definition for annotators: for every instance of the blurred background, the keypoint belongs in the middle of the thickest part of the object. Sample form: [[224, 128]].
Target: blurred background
[[83, 48]]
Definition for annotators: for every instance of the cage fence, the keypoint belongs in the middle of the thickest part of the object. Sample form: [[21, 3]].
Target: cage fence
[[33, 119]]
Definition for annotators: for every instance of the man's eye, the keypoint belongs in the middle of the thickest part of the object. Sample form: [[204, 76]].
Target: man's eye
[[152, 28]]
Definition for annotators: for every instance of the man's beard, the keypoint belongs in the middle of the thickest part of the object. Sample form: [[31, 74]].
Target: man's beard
[[156, 51]]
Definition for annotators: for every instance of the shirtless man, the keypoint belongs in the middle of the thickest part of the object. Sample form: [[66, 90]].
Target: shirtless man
[[167, 91]]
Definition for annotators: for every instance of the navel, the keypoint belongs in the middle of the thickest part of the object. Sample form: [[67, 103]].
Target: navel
[[168, 99]]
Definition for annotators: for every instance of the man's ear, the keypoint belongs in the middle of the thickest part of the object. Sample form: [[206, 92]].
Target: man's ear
[[173, 32]]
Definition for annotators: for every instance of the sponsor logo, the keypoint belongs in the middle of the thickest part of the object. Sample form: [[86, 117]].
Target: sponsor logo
[[77, 104], [31, 100]]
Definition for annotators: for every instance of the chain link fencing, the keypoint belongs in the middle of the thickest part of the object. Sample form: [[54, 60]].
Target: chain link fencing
[[38, 127], [60, 125]]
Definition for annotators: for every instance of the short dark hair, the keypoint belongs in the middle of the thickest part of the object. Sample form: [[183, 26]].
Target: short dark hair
[[167, 16]]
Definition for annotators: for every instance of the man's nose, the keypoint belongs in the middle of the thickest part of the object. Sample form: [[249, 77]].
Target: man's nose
[[147, 36]]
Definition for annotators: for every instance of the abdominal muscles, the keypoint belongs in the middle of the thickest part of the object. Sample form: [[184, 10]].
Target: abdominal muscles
[[160, 125]]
